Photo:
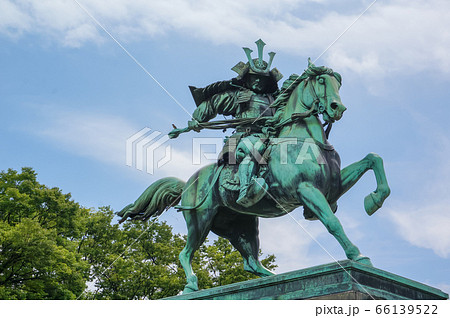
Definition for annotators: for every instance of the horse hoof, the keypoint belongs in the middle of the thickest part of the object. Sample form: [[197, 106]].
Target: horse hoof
[[371, 203], [363, 260], [257, 268], [264, 272], [191, 286], [188, 289]]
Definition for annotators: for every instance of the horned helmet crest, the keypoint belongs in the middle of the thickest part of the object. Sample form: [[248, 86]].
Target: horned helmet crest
[[257, 65]]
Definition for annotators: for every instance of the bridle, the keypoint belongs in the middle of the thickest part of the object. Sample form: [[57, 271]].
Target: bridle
[[316, 106]]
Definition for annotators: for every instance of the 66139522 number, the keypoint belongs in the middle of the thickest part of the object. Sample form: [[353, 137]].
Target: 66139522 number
[[407, 309]]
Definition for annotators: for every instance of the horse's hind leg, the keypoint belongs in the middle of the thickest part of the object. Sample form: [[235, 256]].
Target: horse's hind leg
[[242, 232], [351, 174], [314, 200], [198, 225]]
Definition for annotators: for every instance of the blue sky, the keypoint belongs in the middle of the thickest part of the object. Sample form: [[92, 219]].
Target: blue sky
[[70, 97]]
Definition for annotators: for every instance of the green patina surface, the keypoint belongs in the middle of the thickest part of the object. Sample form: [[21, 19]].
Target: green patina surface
[[346, 280], [277, 159]]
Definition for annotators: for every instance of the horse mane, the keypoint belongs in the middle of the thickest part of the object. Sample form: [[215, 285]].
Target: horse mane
[[294, 80]]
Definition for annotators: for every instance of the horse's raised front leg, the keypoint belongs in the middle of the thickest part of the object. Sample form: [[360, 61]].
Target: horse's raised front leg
[[199, 225], [314, 199], [351, 174]]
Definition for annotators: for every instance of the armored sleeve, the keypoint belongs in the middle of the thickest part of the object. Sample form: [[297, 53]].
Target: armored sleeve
[[224, 104]]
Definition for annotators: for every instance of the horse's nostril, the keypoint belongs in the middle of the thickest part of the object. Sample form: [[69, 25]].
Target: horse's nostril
[[334, 106]]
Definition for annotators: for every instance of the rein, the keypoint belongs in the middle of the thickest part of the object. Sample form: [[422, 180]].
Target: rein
[[233, 123], [320, 109], [306, 114], [219, 125]]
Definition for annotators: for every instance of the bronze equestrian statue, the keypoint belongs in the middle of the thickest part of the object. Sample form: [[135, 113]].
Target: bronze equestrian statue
[[278, 159]]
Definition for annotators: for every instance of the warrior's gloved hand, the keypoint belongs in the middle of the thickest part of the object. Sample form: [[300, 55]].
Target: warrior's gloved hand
[[244, 96], [194, 125]]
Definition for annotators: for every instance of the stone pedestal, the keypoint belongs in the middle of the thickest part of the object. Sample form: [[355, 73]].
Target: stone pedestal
[[345, 280]]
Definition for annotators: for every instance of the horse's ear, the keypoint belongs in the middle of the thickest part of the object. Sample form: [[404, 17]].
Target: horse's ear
[[310, 63]]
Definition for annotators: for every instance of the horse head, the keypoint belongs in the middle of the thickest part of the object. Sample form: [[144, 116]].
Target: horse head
[[316, 91], [322, 92]]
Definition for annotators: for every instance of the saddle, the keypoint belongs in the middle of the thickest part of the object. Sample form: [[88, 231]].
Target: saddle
[[229, 181], [229, 178]]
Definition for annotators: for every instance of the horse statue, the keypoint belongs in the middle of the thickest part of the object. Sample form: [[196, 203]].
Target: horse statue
[[303, 169]]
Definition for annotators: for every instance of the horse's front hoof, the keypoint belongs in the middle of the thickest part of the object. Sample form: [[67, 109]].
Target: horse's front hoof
[[257, 268], [371, 204], [363, 260]]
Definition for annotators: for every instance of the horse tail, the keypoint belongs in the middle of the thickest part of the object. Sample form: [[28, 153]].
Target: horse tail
[[157, 198]]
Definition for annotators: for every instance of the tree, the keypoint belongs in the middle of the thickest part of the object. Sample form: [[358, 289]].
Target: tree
[[225, 264], [140, 261], [134, 261], [38, 232], [53, 248], [34, 265]]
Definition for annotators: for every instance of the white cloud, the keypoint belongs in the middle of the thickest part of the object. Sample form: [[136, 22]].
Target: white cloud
[[426, 226], [58, 19], [180, 165], [94, 135], [102, 137], [12, 20], [77, 35], [423, 219], [394, 36]]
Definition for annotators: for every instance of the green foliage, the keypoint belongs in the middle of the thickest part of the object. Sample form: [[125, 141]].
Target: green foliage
[[135, 261], [21, 197], [225, 264], [52, 248], [34, 265], [38, 232], [140, 260]]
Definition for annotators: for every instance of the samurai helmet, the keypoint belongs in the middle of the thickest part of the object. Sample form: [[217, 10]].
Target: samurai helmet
[[257, 65]]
